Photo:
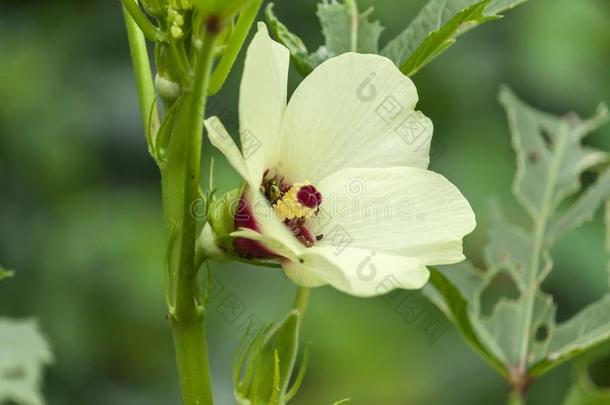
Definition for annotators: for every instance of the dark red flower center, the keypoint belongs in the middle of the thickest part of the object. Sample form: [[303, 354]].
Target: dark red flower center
[[309, 196], [294, 203]]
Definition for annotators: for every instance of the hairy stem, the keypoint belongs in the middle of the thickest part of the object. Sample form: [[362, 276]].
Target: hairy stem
[[180, 180], [188, 323]]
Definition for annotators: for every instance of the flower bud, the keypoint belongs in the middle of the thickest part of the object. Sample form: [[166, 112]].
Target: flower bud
[[166, 89], [155, 8]]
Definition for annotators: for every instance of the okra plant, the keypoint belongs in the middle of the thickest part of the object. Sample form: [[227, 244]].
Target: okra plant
[[317, 166]]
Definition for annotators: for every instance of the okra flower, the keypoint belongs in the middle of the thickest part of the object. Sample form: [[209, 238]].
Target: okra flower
[[338, 189]]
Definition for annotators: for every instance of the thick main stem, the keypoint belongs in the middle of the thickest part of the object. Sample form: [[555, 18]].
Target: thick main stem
[[192, 359], [180, 178], [181, 190]]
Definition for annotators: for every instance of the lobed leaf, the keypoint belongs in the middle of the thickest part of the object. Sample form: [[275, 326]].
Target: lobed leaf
[[23, 354], [550, 155], [585, 330], [437, 27], [582, 210], [457, 288], [298, 51], [431, 32], [521, 337], [344, 30]]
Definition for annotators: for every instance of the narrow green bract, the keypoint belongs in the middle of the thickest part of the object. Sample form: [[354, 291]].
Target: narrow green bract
[[263, 371]]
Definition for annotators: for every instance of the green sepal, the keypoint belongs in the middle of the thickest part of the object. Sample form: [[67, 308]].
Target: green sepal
[[221, 217]]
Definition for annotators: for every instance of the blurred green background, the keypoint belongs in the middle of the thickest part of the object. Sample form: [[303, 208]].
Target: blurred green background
[[80, 214]]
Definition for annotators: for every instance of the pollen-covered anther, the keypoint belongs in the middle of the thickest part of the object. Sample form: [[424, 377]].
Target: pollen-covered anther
[[300, 201]]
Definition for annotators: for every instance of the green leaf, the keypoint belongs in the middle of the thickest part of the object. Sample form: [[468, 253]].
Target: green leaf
[[23, 354], [298, 51], [509, 249], [344, 30], [436, 28], [550, 153], [585, 330], [4, 273], [521, 337], [458, 287], [591, 385], [582, 210]]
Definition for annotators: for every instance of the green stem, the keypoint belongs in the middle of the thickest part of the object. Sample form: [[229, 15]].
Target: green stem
[[180, 59], [180, 180], [538, 246], [301, 300], [515, 399], [181, 189], [151, 32], [142, 71], [245, 20], [187, 165], [353, 10], [192, 359]]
